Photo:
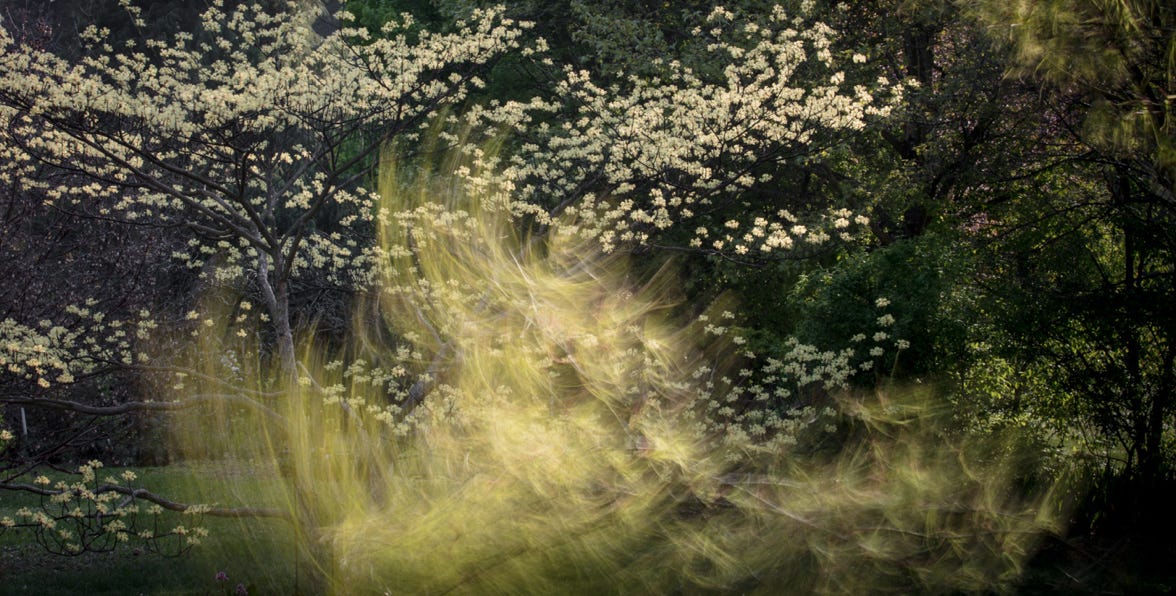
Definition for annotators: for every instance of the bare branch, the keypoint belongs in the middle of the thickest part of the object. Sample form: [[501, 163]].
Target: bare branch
[[145, 406]]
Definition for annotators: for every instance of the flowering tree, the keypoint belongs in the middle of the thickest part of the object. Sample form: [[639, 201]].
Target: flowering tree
[[573, 420], [253, 136], [243, 136], [695, 145], [250, 138]]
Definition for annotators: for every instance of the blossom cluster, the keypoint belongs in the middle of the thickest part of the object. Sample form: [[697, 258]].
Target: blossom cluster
[[243, 134], [56, 353], [687, 146]]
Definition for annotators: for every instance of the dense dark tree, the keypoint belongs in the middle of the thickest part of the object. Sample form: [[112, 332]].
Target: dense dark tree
[[1091, 251]]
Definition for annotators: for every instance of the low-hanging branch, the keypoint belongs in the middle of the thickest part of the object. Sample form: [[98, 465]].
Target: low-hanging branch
[[146, 495], [145, 406]]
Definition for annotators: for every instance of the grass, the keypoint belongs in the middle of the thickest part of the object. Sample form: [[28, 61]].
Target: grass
[[260, 553], [256, 552]]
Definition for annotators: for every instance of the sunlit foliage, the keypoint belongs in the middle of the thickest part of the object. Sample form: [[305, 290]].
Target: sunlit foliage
[[585, 435]]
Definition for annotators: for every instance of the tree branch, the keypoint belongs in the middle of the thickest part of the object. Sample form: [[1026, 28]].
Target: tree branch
[[144, 406], [146, 495]]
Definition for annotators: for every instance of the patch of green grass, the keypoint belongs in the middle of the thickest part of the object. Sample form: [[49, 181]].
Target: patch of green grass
[[256, 552]]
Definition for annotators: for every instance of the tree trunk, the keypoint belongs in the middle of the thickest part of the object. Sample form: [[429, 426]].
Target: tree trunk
[[285, 335], [1151, 468], [277, 297]]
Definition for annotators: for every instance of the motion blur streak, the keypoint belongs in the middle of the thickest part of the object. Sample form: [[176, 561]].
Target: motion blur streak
[[528, 415]]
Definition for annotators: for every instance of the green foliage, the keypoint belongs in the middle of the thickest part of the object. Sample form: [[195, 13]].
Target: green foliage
[[373, 14], [918, 277], [1088, 255]]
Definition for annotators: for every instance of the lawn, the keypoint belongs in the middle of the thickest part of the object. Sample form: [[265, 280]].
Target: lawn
[[255, 552]]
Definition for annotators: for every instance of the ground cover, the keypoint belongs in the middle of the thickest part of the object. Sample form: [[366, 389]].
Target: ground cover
[[256, 553]]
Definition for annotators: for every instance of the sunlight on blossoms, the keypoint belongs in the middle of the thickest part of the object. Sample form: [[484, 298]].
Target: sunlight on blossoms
[[523, 413]]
